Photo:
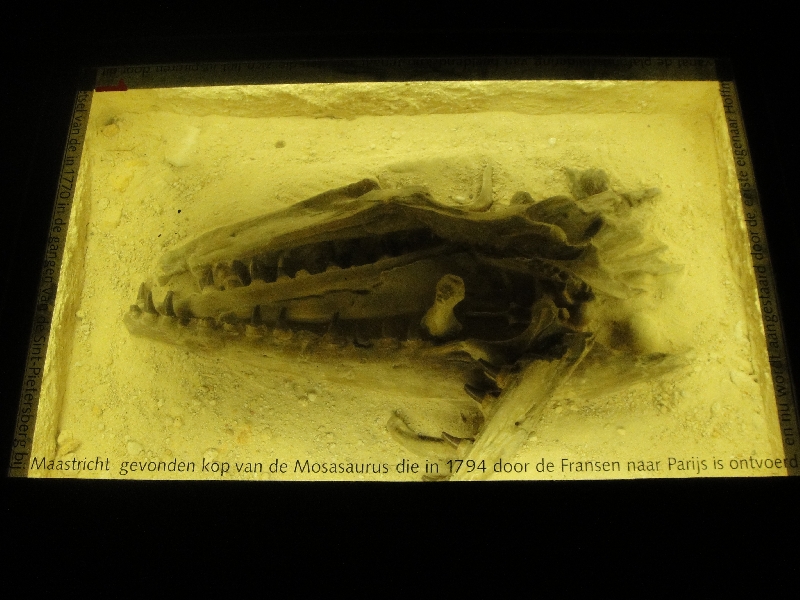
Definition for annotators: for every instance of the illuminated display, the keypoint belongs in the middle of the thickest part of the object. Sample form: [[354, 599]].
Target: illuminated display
[[404, 281]]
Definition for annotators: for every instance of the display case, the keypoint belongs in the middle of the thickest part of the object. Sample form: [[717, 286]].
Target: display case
[[405, 270]]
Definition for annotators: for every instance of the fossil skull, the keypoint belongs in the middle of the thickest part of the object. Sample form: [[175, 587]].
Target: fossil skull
[[496, 289]]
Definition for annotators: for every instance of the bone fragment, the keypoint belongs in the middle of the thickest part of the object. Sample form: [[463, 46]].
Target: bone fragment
[[438, 448], [440, 320], [484, 200], [520, 407]]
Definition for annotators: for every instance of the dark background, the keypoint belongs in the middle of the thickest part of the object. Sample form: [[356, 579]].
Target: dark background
[[701, 522]]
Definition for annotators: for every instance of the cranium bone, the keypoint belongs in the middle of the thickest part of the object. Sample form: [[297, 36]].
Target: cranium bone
[[497, 292]]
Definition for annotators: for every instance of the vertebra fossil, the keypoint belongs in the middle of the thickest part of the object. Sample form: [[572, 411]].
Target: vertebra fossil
[[498, 292]]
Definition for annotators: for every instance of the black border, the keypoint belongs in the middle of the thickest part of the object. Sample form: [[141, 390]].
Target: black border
[[354, 525]]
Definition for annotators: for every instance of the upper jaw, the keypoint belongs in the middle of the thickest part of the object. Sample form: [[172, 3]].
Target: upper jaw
[[360, 257], [482, 290]]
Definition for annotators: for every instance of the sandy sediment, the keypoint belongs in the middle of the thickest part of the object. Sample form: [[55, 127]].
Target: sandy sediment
[[163, 166]]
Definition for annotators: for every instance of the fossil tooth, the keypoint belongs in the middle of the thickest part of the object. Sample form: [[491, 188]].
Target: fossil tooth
[[333, 325], [419, 444], [475, 393], [241, 271], [261, 271], [634, 199], [144, 300], [169, 309], [230, 318], [219, 274], [482, 387], [149, 306], [310, 259], [280, 274], [360, 339], [207, 323], [227, 276], [440, 320], [484, 200], [521, 198], [454, 441], [584, 184], [204, 277], [255, 328], [282, 332], [489, 369], [335, 333]]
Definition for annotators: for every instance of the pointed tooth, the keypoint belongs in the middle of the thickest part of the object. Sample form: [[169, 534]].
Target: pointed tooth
[[233, 281], [226, 276], [282, 335], [219, 274], [282, 332], [475, 393], [489, 369], [333, 326], [141, 297], [400, 430], [207, 323], [484, 200], [280, 273], [255, 270], [206, 278], [361, 341], [259, 270], [242, 272], [229, 318], [169, 308], [453, 440], [149, 307], [281, 321]]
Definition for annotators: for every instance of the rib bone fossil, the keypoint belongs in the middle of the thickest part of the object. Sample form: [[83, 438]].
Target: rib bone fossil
[[497, 292]]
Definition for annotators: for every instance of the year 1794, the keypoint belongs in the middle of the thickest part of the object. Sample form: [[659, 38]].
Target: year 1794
[[469, 465]]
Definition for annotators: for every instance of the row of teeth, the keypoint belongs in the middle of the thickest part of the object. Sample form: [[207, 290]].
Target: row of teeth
[[398, 328], [485, 384], [314, 259], [514, 316]]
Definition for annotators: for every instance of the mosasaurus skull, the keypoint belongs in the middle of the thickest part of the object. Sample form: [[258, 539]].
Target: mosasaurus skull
[[496, 292]]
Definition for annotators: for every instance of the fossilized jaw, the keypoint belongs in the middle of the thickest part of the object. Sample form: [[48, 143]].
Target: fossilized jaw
[[373, 262], [492, 289], [360, 253]]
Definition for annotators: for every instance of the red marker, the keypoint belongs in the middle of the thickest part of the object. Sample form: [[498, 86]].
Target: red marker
[[120, 87]]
